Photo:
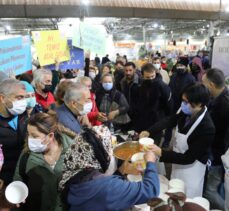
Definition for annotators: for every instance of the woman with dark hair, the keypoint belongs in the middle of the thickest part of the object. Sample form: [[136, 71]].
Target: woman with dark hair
[[41, 163], [193, 138]]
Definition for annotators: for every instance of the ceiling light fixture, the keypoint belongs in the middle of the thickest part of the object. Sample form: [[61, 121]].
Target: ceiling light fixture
[[85, 2], [155, 25], [8, 27], [227, 9]]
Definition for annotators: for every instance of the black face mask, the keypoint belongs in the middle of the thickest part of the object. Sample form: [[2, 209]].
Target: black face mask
[[195, 69], [180, 70], [47, 88]]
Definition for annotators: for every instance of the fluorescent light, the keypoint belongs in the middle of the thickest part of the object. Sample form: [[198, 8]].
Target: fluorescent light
[[155, 25], [8, 27], [85, 2]]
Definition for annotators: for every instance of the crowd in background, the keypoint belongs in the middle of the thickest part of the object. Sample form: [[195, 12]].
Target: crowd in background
[[56, 127]]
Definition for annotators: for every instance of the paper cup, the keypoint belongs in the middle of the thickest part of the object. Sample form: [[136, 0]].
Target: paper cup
[[177, 184], [175, 190], [134, 178], [113, 141], [145, 143], [202, 202], [16, 192], [138, 160], [164, 197]]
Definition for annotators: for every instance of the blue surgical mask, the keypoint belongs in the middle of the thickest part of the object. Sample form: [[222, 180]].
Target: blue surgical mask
[[31, 102], [185, 107], [107, 86]]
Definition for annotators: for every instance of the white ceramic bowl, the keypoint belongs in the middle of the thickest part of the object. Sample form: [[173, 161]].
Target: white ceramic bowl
[[16, 192], [137, 156], [177, 184], [202, 202]]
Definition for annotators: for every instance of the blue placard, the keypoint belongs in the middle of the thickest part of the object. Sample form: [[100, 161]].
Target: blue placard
[[76, 62], [15, 55]]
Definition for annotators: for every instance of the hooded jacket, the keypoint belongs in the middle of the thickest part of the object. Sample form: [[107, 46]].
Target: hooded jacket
[[42, 180]]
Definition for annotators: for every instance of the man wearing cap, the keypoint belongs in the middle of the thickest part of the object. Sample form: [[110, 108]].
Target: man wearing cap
[[179, 80]]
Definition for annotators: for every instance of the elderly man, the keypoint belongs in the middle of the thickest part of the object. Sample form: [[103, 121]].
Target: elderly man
[[12, 124], [42, 81], [77, 104]]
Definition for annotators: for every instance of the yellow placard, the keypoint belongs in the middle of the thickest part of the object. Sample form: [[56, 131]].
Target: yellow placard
[[51, 46]]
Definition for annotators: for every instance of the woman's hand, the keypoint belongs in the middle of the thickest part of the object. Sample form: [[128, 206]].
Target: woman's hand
[[102, 117], [144, 134], [150, 157], [113, 114], [154, 148]]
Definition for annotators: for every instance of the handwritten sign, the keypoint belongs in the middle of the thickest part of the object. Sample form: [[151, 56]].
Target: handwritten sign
[[90, 38], [221, 54], [50, 46], [76, 62], [15, 55]]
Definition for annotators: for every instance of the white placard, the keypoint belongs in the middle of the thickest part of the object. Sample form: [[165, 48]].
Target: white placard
[[220, 56]]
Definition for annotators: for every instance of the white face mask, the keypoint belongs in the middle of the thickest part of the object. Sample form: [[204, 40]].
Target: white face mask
[[18, 108], [86, 109], [92, 75], [35, 145], [157, 66]]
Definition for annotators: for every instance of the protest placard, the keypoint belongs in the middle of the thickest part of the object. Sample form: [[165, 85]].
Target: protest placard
[[50, 46], [89, 38], [15, 55], [76, 61]]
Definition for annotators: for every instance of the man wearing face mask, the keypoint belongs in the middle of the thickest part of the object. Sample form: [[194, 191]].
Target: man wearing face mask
[[152, 101], [42, 81], [179, 80], [77, 104], [163, 73], [12, 124]]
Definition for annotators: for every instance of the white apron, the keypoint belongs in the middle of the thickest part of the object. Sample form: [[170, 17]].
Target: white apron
[[225, 159], [192, 174]]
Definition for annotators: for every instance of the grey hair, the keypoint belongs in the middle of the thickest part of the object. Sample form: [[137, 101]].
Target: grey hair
[[107, 75], [74, 92], [9, 87], [38, 75], [84, 79]]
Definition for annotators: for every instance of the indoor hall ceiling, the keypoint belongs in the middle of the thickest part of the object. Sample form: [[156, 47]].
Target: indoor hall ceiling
[[161, 9]]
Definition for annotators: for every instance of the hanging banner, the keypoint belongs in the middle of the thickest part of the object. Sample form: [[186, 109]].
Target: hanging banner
[[51, 46], [76, 61], [90, 38], [221, 54], [15, 55]]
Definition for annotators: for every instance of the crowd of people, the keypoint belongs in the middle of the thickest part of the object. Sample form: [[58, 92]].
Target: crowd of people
[[56, 128]]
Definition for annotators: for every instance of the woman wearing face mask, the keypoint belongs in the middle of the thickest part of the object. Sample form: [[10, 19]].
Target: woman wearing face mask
[[32, 106], [193, 138], [41, 163], [111, 103]]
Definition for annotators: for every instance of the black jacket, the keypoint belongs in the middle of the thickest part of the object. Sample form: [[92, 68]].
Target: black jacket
[[219, 111], [152, 102], [12, 143], [130, 90], [177, 84], [199, 141]]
